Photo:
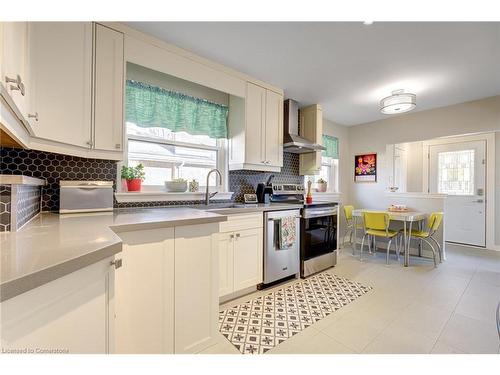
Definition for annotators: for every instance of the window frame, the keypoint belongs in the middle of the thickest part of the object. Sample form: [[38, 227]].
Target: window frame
[[222, 163], [333, 175]]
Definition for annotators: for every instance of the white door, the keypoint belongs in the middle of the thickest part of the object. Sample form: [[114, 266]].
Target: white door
[[274, 129], [60, 65], [226, 285], [255, 124], [13, 40], [458, 169], [247, 258], [144, 285], [108, 89]]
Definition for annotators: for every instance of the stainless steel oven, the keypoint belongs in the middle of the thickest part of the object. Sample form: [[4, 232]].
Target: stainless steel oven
[[318, 238]]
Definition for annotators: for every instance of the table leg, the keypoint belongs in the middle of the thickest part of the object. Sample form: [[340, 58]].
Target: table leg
[[407, 246], [354, 229]]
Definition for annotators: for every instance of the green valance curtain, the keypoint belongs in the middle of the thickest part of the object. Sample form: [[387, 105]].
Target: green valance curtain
[[151, 106], [332, 146]]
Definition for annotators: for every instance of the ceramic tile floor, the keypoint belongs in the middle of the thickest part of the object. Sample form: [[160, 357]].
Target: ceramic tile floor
[[419, 309]]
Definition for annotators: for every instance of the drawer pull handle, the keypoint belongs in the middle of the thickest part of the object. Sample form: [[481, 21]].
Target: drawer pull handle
[[117, 263]]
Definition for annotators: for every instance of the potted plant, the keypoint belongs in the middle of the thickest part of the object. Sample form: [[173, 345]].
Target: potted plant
[[134, 176], [321, 185]]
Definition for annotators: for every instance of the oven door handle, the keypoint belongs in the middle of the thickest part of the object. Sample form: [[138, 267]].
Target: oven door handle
[[279, 218], [308, 215]]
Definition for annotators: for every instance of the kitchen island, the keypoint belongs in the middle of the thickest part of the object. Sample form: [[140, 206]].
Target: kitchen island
[[59, 292]]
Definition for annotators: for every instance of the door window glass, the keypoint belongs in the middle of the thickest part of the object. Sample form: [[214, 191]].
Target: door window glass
[[456, 172]]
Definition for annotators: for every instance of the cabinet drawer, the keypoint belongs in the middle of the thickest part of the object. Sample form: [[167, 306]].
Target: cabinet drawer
[[242, 222]]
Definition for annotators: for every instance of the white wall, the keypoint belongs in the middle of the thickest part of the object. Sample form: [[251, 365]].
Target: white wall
[[465, 118], [342, 133], [414, 167], [497, 188]]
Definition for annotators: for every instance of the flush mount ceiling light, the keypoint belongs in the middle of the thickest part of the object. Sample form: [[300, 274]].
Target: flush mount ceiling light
[[398, 102]]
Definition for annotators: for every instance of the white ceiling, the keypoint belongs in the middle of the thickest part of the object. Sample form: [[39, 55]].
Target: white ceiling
[[349, 67]]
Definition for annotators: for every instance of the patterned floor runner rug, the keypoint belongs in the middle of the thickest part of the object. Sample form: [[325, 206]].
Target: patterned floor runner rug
[[256, 326]]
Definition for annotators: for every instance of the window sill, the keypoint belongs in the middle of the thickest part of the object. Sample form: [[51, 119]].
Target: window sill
[[330, 196], [159, 196]]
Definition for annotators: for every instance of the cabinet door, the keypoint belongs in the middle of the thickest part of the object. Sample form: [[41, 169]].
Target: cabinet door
[[108, 89], [196, 287], [311, 128], [226, 241], [248, 265], [274, 129], [13, 39], [255, 124], [70, 313], [60, 62], [145, 293]]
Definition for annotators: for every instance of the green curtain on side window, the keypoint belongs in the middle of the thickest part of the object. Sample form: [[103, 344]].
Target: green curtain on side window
[[332, 146], [151, 106]]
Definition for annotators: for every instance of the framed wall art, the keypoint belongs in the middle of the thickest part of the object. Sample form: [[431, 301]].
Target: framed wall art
[[365, 168]]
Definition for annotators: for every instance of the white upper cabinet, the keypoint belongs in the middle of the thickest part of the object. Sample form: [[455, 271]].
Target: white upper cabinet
[[255, 152], [13, 39], [256, 130], [60, 71], [108, 89], [274, 129]]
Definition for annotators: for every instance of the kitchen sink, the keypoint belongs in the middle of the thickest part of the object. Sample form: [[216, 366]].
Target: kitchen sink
[[218, 206]]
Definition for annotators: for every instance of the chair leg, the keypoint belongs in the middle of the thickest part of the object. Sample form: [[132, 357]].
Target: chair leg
[[388, 250], [440, 251], [396, 247], [420, 248], [361, 250], [370, 244], [433, 252]]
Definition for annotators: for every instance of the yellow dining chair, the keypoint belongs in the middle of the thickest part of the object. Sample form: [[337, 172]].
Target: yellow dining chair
[[349, 225], [427, 235], [376, 224]]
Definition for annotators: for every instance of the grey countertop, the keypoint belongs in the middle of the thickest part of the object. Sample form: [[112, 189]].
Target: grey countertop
[[53, 245]]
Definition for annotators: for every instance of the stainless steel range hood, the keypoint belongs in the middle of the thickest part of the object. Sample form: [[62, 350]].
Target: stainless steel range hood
[[292, 141]]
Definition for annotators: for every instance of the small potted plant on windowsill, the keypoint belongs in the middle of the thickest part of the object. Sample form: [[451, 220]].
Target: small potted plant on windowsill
[[134, 177], [321, 185]]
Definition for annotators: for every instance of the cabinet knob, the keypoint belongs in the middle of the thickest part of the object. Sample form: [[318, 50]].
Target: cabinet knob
[[90, 143], [237, 235], [117, 263], [231, 236], [118, 146], [34, 116], [17, 84]]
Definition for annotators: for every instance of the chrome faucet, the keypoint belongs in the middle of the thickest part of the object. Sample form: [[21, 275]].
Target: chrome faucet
[[210, 195]]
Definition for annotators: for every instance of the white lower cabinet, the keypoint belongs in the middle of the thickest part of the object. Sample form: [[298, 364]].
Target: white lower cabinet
[[240, 254], [145, 293], [72, 314], [167, 290]]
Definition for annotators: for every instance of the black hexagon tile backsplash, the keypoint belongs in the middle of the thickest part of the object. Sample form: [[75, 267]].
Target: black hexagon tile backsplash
[[55, 167]]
